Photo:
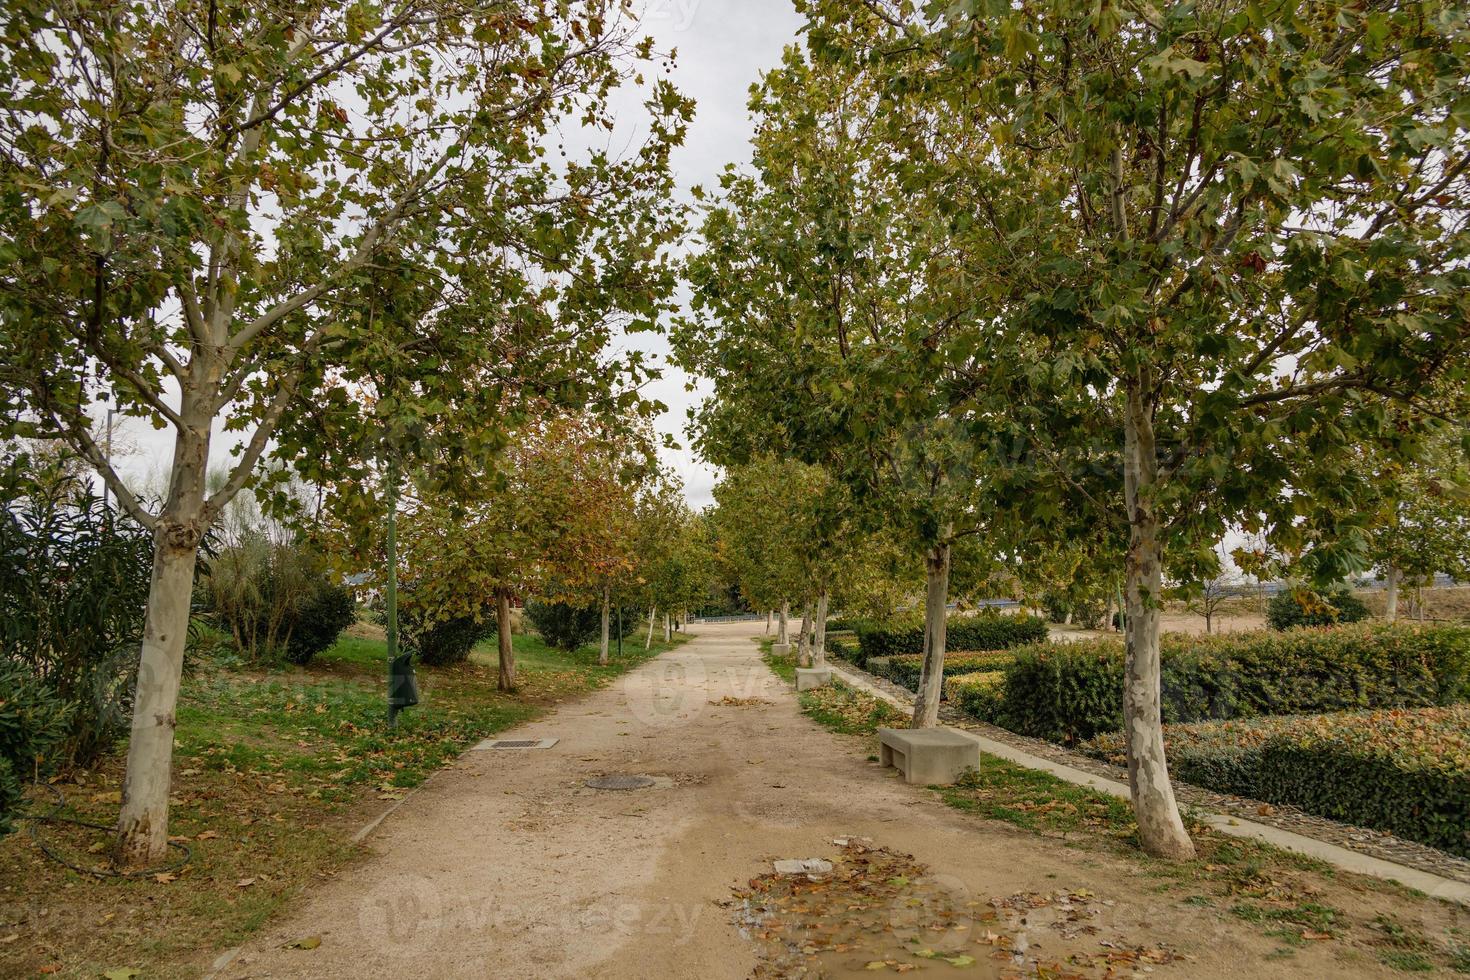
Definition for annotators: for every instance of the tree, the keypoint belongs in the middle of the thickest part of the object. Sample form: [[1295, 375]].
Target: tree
[[187, 190], [1216, 248], [1424, 524]]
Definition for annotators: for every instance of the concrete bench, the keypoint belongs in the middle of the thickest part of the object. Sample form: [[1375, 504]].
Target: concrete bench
[[780, 649], [928, 756], [809, 678]]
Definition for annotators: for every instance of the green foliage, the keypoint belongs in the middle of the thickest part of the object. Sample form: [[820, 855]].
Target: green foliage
[[1324, 607], [443, 642], [904, 671], [274, 595], [564, 626], [1070, 692], [328, 611], [74, 581], [33, 720], [1404, 771], [986, 631]]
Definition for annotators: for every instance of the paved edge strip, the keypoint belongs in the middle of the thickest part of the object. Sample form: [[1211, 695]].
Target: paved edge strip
[[1363, 864]]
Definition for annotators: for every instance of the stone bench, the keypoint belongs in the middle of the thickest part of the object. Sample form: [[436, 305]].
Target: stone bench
[[809, 678], [780, 649], [928, 756]]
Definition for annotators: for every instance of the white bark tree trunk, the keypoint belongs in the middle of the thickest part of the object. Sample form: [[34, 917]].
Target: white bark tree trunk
[[768, 620], [819, 639], [142, 823], [649, 642], [668, 629], [782, 633], [1160, 828], [931, 674], [1391, 594], [606, 621]]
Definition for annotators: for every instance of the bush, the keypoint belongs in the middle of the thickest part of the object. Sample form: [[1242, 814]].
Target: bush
[[320, 620], [564, 626], [904, 671], [1403, 771], [1069, 692], [987, 631], [74, 581], [265, 591], [445, 642], [1300, 607], [974, 693], [33, 721]]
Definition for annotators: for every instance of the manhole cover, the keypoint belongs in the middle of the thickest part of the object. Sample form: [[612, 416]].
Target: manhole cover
[[510, 743], [620, 782]]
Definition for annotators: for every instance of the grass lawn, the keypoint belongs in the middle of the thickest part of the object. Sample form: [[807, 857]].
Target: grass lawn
[[273, 773], [1277, 891]]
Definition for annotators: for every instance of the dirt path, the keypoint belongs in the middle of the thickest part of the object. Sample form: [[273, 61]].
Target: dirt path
[[507, 866]]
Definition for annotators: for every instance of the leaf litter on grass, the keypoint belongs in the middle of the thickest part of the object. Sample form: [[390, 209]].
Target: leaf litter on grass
[[879, 911]]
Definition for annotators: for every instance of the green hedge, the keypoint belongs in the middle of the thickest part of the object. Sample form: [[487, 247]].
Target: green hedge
[[987, 631], [904, 671], [1403, 771], [1069, 692], [976, 693], [32, 721]]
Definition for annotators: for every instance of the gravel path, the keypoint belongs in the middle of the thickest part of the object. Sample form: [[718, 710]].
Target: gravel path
[[507, 865]]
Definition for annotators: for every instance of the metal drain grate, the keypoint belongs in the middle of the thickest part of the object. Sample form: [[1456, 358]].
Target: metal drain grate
[[619, 781], [517, 743]]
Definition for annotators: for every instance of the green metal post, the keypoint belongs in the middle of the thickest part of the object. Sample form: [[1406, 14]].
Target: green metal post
[[392, 494]]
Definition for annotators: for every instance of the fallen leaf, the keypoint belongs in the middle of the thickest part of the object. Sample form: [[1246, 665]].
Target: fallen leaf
[[164, 877], [961, 960], [310, 942], [121, 973], [9, 939], [876, 965], [1313, 934], [207, 835], [244, 882]]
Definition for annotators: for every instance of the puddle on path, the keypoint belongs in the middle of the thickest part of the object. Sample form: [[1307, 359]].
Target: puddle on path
[[880, 912]]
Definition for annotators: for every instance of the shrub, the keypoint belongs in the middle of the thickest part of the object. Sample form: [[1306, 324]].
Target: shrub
[[565, 626], [904, 671], [266, 591], [975, 693], [1403, 771], [1299, 607], [320, 620], [987, 631], [33, 721], [1069, 692], [74, 581], [445, 642]]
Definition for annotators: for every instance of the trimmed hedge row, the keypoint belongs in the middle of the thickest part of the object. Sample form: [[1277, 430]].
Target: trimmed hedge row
[[991, 631], [1404, 771], [904, 671], [974, 692], [1070, 692]]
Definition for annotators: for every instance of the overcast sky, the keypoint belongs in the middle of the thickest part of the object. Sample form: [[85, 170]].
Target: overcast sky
[[722, 47]]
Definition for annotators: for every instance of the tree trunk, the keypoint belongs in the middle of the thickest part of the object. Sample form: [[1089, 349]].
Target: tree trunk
[[1108, 613], [142, 823], [804, 637], [668, 629], [768, 620], [1160, 828], [819, 641], [931, 674], [507, 680], [1391, 594], [649, 642], [782, 633], [606, 620], [1209, 622]]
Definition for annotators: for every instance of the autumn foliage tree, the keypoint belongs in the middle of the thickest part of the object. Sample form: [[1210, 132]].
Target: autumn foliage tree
[[187, 187]]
